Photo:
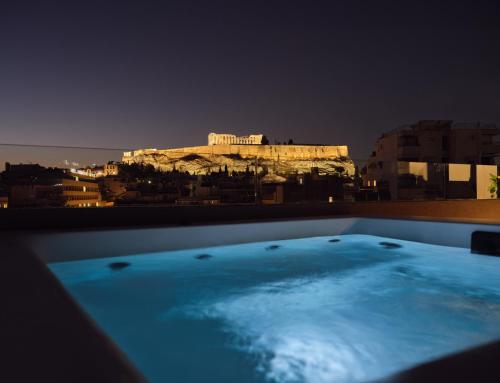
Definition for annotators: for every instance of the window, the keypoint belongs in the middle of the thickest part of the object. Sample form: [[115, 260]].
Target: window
[[408, 141]]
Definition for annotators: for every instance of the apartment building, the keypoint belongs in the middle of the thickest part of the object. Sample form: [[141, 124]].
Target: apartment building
[[35, 186], [402, 159]]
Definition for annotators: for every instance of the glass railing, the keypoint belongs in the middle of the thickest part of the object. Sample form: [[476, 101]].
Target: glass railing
[[57, 176]]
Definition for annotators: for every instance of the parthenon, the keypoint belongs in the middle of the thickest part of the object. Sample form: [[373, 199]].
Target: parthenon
[[231, 139]]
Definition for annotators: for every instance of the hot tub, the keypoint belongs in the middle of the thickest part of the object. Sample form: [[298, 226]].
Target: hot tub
[[328, 300]]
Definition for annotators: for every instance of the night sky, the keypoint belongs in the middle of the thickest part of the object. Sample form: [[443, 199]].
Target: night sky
[[140, 74]]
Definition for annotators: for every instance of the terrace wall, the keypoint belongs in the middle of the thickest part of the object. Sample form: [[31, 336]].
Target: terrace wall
[[272, 152]]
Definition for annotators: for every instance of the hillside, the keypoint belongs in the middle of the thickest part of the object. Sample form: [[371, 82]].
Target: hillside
[[196, 163]]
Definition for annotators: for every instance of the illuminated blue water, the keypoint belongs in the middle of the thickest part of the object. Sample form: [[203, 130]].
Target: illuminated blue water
[[305, 310]]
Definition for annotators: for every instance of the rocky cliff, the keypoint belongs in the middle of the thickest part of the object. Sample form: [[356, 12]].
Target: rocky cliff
[[277, 159]]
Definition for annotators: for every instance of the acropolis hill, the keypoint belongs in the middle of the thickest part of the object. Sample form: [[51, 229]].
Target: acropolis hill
[[238, 153]]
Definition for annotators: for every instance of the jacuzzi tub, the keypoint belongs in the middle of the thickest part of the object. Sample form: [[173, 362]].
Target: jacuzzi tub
[[349, 299]]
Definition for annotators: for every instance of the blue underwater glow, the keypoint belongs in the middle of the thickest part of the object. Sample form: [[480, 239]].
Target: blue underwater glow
[[304, 310]]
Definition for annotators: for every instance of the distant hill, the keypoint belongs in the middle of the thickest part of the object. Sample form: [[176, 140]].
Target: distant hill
[[277, 159]]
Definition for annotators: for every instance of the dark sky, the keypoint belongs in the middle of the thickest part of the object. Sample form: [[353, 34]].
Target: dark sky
[[164, 74]]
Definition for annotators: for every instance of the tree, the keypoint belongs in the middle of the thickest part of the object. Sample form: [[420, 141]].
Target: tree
[[264, 141], [493, 187], [290, 142]]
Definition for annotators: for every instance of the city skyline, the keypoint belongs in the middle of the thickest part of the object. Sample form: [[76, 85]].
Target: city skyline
[[133, 76]]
